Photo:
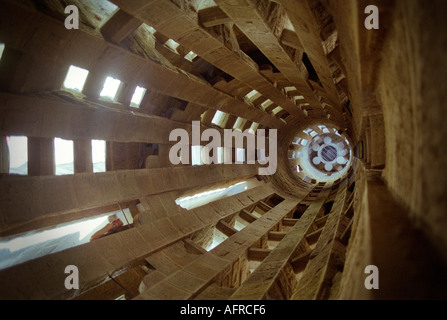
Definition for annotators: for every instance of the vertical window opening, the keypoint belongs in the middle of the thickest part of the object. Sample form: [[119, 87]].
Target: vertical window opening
[[218, 238], [220, 155], [240, 223], [254, 126], [63, 156], [137, 97], [252, 94], [260, 153], [190, 56], [276, 110], [240, 155], [239, 124], [75, 78], [171, 44], [110, 88], [99, 155], [196, 155], [266, 104], [220, 118], [18, 154], [2, 48]]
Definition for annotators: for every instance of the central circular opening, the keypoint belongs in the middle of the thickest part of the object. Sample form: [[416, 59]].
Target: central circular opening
[[320, 153], [329, 153]]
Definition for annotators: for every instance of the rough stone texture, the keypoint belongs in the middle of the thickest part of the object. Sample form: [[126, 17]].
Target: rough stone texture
[[270, 279], [413, 107], [28, 200], [227, 264], [320, 268], [115, 253], [409, 267]]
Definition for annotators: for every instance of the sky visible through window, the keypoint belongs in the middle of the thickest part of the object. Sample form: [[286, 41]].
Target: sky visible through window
[[99, 155], [18, 154], [240, 155], [84, 228], [75, 78], [137, 97], [218, 118], [196, 155], [2, 48], [190, 56], [202, 198], [63, 155], [36, 244], [110, 88], [172, 44]]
